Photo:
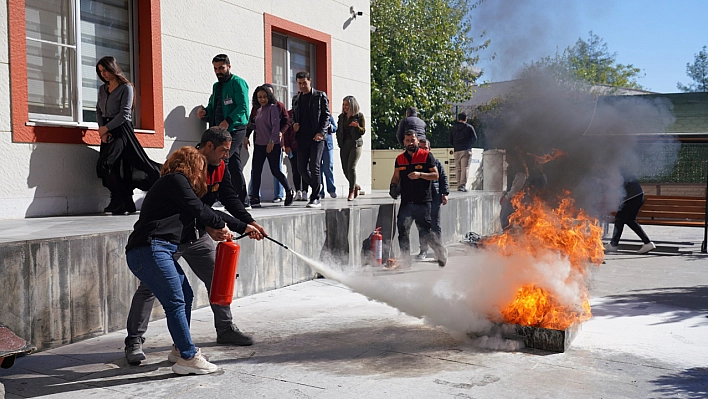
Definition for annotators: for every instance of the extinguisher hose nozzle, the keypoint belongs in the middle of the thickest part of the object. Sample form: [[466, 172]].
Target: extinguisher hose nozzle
[[277, 242]]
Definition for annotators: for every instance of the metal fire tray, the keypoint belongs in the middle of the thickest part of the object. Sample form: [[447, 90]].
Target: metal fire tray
[[542, 338]]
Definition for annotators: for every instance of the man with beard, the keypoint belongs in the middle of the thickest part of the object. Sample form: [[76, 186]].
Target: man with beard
[[311, 124], [413, 175], [228, 109], [198, 249]]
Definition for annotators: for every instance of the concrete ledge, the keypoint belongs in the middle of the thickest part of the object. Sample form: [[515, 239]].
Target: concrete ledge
[[71, 281]]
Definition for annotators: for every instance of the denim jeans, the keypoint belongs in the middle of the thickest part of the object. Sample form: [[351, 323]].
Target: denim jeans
[[155, 266], [201, 256], [327, 175]]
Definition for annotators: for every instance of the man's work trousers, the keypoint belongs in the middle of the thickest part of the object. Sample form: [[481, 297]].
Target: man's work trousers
[[201, 257], [462, 165]]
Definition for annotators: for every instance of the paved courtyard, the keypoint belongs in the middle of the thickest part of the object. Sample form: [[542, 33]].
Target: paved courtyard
[[648, 338]]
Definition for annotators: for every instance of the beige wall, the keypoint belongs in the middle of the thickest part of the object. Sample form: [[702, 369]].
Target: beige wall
[[58, 179]]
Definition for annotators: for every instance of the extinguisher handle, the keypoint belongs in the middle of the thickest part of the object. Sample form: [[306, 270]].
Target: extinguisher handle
[[237, 238]]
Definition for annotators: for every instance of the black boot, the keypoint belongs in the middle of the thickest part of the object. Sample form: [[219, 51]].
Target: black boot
[[115, 204], [127, 205], [134, 350]]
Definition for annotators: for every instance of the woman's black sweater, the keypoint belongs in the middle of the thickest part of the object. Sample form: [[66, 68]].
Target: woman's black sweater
[[168, 207]]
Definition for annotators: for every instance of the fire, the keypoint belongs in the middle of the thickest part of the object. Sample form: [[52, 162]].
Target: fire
[[535, 307], [539, 230], [549, 157]]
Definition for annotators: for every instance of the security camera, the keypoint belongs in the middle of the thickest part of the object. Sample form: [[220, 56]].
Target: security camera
[[355, 13]]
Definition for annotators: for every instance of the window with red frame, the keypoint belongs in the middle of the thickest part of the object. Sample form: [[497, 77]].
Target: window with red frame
[[65, 39]]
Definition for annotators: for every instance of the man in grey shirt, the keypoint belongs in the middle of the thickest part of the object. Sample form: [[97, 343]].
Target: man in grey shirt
[[411, 122]]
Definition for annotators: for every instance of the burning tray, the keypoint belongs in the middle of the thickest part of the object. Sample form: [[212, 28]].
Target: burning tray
[[542, 338]]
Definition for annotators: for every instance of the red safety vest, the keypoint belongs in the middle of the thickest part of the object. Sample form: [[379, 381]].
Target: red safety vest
[[215, 177]]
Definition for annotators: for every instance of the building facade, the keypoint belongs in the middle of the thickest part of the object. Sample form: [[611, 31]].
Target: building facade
[[49, 48]]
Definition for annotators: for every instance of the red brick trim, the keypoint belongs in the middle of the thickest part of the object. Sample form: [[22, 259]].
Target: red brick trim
[[150, 88], [322, 42]]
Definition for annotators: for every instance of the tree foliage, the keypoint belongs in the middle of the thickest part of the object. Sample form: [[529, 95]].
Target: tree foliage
[[698, 72], [588, 62], [421, 55]]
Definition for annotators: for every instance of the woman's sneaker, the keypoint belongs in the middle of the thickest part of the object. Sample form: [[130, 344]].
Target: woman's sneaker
[[174, 355], [196, 365], [646, 248]]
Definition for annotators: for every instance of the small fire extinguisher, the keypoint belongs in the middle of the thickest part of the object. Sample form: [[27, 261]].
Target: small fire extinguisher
[[224, 279], [376, 240]]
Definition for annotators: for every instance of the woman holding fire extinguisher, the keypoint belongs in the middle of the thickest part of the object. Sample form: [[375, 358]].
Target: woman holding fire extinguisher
[[169, 205]]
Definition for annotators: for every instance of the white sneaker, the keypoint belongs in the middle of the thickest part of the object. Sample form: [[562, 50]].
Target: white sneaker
[[298, 195], [174, 355], [646, 248], [196, 365], [610, 248]]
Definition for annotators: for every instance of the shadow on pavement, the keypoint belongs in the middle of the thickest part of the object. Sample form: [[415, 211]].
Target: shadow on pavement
[[352, 351], [688, 301], [61, 374], [690, 383]]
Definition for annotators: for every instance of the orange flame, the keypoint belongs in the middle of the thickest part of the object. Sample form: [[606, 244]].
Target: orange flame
[[541, 159], [538, 230], [535, 307]]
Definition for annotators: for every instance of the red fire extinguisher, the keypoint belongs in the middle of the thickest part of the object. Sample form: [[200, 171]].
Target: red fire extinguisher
[[376, 240], [224, 279]]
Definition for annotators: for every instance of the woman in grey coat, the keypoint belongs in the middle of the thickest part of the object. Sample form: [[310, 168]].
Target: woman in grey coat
[[350, 127], [122, 164]]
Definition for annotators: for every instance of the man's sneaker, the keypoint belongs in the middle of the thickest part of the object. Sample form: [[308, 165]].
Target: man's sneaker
[[442, 260], [174, 355], [646, 248], [277, 200], [196, 365], [298, 196], [462, 188], [314, 203], [134, 350], [422, 255], [304, 196], [256, 202], [610, 248], [233, 336], [333, 194]]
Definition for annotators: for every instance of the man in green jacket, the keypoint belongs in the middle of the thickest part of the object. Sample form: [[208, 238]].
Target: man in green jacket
[[228, 109]]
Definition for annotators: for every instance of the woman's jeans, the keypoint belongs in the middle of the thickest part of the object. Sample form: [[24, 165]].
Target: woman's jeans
[[156, 268], [274, 158]]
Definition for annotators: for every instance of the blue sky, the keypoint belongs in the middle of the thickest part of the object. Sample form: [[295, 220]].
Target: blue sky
[[658, 36]]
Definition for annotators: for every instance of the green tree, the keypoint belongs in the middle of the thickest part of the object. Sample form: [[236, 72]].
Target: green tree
[[588, 62], [698, 72], [421, 55]]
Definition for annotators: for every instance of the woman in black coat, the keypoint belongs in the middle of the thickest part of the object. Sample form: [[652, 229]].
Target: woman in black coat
[[122, 164]]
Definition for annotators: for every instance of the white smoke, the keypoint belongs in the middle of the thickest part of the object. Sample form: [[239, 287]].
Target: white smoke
[[466, 296]]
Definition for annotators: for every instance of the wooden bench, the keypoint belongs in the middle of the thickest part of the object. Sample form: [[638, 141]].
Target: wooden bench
[[667, 210]]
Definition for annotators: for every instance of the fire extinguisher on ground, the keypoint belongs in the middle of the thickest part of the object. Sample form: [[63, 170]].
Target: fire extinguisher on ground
[[224, 279], [377, 245]]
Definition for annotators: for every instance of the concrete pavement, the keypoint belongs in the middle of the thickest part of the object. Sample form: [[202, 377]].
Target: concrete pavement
[[648, 338]]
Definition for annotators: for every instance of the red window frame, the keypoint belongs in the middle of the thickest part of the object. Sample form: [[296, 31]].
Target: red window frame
[[322, 42], [150, 59]]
